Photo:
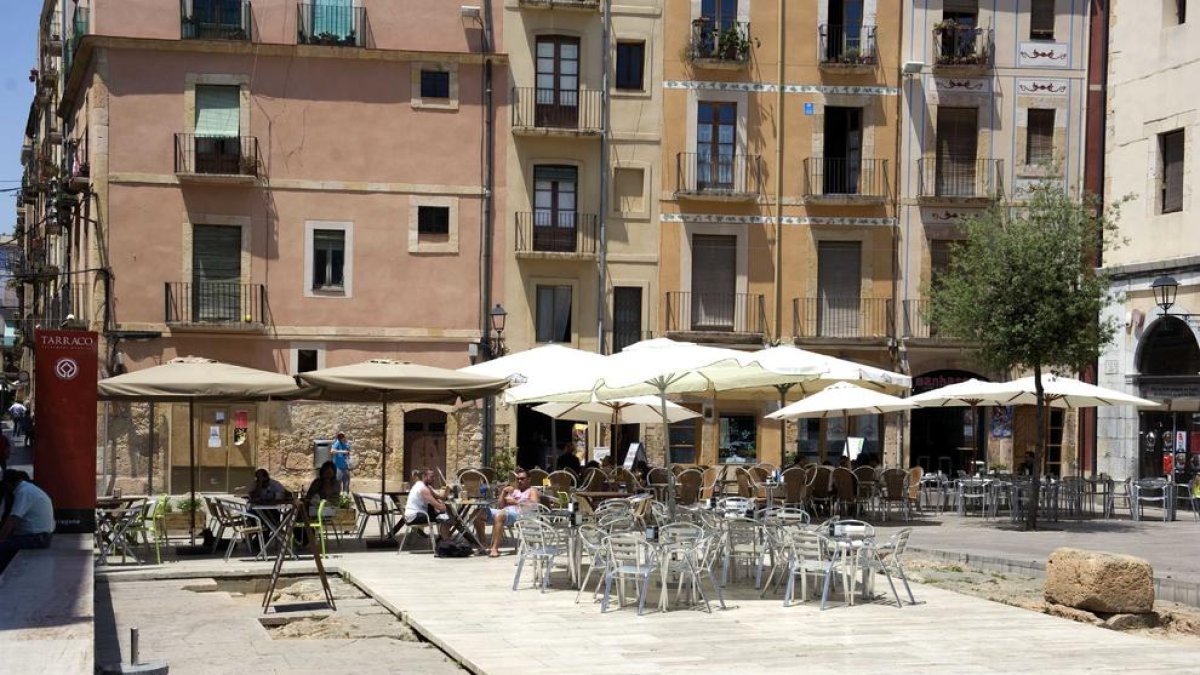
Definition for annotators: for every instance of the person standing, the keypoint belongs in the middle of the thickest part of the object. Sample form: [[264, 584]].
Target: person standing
[[341, 460], [568, 460], [30, 520], [17, 412]]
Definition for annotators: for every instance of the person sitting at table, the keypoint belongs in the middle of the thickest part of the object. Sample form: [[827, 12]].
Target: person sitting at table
[[29, 522], [568, 460], [266, 490], [513, 501], [325, 486], [1026, 468], [424, 505]]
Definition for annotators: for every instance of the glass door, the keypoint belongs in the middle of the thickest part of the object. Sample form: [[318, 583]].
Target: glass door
[[554, 217], [557, 102], [715, 141]]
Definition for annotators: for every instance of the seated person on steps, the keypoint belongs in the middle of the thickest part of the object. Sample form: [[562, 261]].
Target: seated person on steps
[[513, 501]]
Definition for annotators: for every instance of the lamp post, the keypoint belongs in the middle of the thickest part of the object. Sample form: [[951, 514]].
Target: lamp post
[[492, 347], [1165, 289]]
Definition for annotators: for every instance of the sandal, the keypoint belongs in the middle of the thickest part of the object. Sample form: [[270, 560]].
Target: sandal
[[493, 554]]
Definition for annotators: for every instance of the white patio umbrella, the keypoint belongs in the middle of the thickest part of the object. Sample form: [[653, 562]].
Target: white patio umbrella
[[618, 411], [972, 394], [841, 399], [1067, 392], [548, 362]]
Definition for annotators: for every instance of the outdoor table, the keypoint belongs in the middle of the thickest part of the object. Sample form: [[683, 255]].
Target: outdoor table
[[594, 499], [112, 530], [118, 502], [274, 516], [1099, 488], [849, 546]]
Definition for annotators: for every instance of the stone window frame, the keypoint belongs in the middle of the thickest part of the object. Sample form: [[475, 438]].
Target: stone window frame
[[242, 222], [310, 228], [242, 82], [419, 244], [418, 102], [1021, 138]]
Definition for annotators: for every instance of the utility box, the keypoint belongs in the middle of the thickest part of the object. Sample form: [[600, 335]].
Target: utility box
[[322, 452]]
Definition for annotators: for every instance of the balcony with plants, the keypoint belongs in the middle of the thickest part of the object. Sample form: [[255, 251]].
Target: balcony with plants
[[961, 46], [846, 48], [724, 44], [331, 25], [215, 20]]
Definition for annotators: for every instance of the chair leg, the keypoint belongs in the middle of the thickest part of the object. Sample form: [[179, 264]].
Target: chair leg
[[607, 591], [520, 567]]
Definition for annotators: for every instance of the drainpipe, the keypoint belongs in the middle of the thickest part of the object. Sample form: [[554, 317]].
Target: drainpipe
[[779, 178], [487, 243], [602, 235], [904, 419]]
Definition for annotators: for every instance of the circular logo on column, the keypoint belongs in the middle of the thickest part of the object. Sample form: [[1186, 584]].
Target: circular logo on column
[[66, 368]]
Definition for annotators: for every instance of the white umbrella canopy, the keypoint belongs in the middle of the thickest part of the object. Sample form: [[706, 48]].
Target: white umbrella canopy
[[789, 359], [536, 365], [842, 399], [1067, 392], [970, 393], [399, 382], [634, 410], [194, 378]]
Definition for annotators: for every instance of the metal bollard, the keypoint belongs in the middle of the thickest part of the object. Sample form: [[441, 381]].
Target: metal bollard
[[133, 646]]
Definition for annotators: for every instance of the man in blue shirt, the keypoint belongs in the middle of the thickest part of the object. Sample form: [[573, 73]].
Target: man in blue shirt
[[341, 461], [30, 520]]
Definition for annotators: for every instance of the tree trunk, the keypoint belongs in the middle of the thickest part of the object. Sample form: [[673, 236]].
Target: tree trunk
[[1035, 475]]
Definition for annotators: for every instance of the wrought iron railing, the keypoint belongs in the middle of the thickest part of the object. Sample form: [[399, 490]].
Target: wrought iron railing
[[716, 312], [561, 232], [79, 27], [725, 41], [843, 45], [836, 177], [216, 155], [718, 174], [565, 4], [215, 19], [336, 25], [534, 108], [959, 177], [842, 317], [962, 45], [215, 302]]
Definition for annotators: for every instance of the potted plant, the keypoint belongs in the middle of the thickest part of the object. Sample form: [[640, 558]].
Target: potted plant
[[185, 513], [344, 516], [732, 45]]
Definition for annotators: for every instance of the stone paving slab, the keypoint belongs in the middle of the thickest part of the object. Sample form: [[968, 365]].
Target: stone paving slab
[[466, 607], [46, 609]]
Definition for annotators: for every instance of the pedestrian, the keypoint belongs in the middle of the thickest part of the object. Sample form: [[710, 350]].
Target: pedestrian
[[30, 518], [341, 460], [16, 412]]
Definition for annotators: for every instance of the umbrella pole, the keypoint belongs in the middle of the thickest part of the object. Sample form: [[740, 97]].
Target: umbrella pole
[[192, 468], [783, 390], [662, 397], [150, 461], [613, 433], [383, 470]]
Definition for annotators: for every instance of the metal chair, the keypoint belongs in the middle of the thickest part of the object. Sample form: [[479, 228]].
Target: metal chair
[[745, 542], [541, 543], [630, 558], [1189, 494], [1152, 491]]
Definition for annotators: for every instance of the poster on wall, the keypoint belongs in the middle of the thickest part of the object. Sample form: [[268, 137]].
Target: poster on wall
[[214, 436], [241, 426], [1002, 421]]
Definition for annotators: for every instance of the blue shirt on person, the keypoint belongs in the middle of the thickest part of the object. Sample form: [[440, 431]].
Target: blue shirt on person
[[341, 460]]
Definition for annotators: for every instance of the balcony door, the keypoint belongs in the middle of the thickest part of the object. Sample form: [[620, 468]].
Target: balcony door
[[555, 220], [843, 150], [627, 316], [714, 282], [960, 41], [957, 144], [845, 29], [716, 17], [333, 18], [216, 273], [839, 283], [218, 148], [557, 82], [716, 134]]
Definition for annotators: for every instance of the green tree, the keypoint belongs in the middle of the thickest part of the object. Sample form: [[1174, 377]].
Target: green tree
[[1024, 290]]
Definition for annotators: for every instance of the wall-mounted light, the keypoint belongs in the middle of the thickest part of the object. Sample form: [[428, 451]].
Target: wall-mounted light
[[912, 67]]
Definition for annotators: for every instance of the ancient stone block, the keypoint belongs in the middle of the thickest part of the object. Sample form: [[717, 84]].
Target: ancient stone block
[[1099, 582]]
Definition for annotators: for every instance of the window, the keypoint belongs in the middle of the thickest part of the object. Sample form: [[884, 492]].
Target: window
[[629, 190], [1170, 147], [627, 316], [631, 57], [329, 260], [683, 442], [1039, 136], [216, 274], [839, 288], [435, 84], [1041, 20], [957, 144], [738, 439], [553, 314], [217, 127], [306, 360], [716, 134], [433, 220]]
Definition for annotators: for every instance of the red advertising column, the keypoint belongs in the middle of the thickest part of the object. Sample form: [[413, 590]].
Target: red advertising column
[[64, 407]]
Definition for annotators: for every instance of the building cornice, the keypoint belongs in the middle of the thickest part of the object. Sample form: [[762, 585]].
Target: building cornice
[[1153, 268]]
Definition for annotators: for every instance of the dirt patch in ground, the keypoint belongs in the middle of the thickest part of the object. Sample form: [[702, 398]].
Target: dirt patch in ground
[[1176, 622]]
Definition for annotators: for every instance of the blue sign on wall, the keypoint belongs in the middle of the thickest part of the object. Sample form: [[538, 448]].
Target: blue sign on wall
[[808, 108]]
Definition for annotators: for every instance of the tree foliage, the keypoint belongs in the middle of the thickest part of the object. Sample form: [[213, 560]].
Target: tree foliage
[[1022, 287]]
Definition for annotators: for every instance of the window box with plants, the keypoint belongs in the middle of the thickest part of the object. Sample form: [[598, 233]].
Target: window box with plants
[[959, 44], [181, 515], [345, 517], [330, 39]]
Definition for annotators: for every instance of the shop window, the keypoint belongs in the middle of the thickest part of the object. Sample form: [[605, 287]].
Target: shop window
[[738, 439]]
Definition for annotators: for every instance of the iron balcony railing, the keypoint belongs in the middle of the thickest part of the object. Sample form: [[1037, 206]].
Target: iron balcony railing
[[962, 45], [215, 19], [215, 302], [838, 177], [336, 25], [564, 4], [718, 174], [959, 177], [216, 155], [561, 232], [80, 21], [849, 317], [846, 45], [917, 323], [723, 41], [716, 312], [546, 109]]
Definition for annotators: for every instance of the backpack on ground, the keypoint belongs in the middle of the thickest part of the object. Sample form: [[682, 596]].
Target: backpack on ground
[[452, 548]]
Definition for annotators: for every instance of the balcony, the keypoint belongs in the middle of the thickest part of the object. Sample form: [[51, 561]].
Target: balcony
[[80, 21], [842, 48], [215, 19], [724, 45], [553, 112], [577, 5], [717, 317], [837, 180], [216, 159], [331, 25], [959, 179], [841, 319], [565, 235], [207, 304], [917, 324], [961, 47], [718, 177]]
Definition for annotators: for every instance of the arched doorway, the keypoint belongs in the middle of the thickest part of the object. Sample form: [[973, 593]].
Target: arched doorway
[[424, 441], [1168, 364], [944, 439]]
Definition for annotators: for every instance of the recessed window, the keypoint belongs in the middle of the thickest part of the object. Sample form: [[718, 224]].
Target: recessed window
[[629, 189], [631, 58], [433, 220], [329, 260], [1039, 136], [1041, 20], [306, 360], [435, 84], [553, 314], [1170, 147]]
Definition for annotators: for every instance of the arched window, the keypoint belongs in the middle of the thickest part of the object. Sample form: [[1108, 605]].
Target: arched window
[[1169, 348]]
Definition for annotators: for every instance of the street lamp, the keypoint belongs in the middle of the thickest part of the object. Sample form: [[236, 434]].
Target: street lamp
[[1165, 289], [494, 344]]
